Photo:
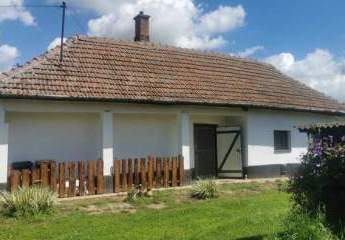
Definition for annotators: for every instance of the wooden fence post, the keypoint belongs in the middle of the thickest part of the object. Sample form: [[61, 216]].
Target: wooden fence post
[[117, 170], [136, 172], [53, 178], [166, 172], [149, 172], [174, 172], [124, 175], [130, 174], [91, 177], [44, 174], [26, 178], [181, 170], [15, 180], [62, 185], [159, 178], [143, 173], [71, 179], [100, 177], [81, 171]]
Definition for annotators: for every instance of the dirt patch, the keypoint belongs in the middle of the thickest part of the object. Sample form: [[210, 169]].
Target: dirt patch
[[108, 208], [157, 206]]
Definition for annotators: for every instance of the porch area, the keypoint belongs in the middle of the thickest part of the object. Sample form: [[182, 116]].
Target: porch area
[[209, 140]]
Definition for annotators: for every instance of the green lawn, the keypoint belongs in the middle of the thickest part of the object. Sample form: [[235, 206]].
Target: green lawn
[[242, 212]]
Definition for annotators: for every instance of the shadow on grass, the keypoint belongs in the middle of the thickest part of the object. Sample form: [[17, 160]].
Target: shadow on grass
[[259, 237]]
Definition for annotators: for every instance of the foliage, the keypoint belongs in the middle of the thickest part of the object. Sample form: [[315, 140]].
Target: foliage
[[137, 193], [300, 226], [283, 185], [204, 189], [28, 201], [319, 185]]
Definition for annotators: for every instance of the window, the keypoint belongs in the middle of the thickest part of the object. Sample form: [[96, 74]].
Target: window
[[282, 140]]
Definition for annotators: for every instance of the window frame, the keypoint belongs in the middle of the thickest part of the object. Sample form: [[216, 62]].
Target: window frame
[[278, 149]]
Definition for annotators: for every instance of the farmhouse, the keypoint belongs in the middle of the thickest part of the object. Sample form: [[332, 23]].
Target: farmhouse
[[111, 99]]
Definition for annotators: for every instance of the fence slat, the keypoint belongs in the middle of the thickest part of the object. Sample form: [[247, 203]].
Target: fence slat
[[136, 172], [154, 183], [35, 176], [44, 174], [159, 178], [124, 175], [26, 178], [62, 184], [166, 172], [130, 174], [72, 179], [181, 170], [100, 177], [91, 169], [81, 178], [174, 172], [117, 170], [53, 177], [143, 172], [14, 180], [149, 173]]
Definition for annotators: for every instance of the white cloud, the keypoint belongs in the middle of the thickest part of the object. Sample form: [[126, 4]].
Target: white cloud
[[175, 22], [249, 51], [16, 13], [55, 42], [319, 69], [223, 19], [8, 56]]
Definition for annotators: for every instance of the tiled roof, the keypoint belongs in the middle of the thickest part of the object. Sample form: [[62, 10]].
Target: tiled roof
[[101, 69]]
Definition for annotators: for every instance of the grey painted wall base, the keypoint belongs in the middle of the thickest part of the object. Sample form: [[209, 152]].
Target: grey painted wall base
[[3, 186], [271, 171]]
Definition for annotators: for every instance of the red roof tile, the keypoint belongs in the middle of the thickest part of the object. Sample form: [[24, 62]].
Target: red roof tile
[[104, 69]]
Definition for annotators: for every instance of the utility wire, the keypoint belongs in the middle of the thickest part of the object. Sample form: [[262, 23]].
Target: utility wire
[[29, 6]]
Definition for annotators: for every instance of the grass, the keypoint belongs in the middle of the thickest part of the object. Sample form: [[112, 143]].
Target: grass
[[240, 212]]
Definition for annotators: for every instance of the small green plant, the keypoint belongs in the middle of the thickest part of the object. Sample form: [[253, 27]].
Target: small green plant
[[204, 189], [28, 201], [138, 193]]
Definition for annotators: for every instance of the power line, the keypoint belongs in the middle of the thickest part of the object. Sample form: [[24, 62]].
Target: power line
[[29, 6]]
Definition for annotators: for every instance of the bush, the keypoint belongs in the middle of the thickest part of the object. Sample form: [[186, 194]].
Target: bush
[[319, 185], [204, 189], [301, 226], [28, 201]]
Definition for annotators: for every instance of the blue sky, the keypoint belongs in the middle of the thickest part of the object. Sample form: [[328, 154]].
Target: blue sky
[[303, 38]]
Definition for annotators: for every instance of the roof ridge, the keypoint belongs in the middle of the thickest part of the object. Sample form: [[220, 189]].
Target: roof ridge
[[211, 53]]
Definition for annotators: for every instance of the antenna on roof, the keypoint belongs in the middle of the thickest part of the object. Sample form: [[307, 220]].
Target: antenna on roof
[[63, 6]]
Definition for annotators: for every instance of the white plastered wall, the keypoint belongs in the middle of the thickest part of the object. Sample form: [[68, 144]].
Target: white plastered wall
[[140, 135], [57, 136], [259, 129]]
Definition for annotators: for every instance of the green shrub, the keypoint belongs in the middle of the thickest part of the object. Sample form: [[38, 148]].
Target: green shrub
[[204, 189], [301, 226], [28, 201], [319, 185]]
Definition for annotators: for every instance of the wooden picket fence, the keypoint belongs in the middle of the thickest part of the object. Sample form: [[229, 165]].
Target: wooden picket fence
[[69, 179], [148, 173]]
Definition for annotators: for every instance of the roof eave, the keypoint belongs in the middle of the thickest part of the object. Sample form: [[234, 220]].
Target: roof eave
[[174, 102]]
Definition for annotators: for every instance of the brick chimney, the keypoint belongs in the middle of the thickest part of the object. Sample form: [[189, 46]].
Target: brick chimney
[[142, 27]]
